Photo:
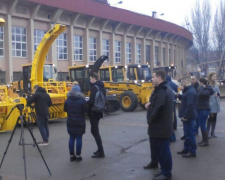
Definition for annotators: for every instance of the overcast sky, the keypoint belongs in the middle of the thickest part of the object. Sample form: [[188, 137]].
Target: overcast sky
[[174, 10]]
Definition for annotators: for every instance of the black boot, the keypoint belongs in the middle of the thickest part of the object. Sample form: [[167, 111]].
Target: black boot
[[99, 154], [205, 139], [213, 129], [202, 139]]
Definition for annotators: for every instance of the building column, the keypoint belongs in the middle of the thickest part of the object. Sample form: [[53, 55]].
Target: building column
[[124, 50], [143, 52], [152, 62], [172, 55], [86, 46], [113, 49], [70, 46], [133, 61], [160, 54], [99, 46], [31, 30], [8, 48], [167, 55]]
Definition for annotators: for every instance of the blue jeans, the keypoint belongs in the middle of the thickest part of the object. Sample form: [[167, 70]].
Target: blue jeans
[[162, 154], [189, 133], [78, 139], [202, 118], [42, 122]]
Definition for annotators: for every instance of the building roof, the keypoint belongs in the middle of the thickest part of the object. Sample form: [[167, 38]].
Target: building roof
[[101, 10]]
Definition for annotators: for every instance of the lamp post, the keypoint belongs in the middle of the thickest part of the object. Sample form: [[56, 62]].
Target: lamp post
[[120, 2]]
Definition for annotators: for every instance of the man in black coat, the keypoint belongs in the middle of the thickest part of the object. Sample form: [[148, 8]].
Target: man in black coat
[[96, 116], [160, 125], [188, 115], [42, 103]]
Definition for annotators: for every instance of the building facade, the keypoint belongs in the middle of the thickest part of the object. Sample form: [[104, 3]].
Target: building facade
[[93, 29]]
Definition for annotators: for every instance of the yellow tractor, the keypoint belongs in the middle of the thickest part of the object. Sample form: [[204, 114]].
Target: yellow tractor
[[34, 75], [130, 92], [81, 74]]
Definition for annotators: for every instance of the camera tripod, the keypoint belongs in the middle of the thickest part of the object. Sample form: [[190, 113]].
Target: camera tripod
[[22, 120]]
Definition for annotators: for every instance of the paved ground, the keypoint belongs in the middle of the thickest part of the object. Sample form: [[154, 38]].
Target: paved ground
[[127, 150]]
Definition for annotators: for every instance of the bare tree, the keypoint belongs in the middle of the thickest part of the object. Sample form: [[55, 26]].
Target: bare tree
[[199, 25], [219, 27]]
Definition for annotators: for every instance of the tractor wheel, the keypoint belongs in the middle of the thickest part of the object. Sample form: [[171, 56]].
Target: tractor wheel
[[128, 101]]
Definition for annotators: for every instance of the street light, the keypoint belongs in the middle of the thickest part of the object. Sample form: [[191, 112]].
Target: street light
[[120, 2], [2, 22]]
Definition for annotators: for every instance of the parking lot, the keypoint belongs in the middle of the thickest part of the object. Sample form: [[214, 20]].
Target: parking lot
[[125, 140]]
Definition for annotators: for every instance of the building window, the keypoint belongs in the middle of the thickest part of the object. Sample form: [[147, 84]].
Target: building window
[[62, 47], [117, 51], [92, 49], [38, 36], [128, 53], [78, 48], [105, 48], [156, 63], [19, 42], [1, 42], [138, 53]]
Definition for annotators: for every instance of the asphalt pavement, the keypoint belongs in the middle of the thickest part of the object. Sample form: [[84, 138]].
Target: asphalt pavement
[[126, 145]]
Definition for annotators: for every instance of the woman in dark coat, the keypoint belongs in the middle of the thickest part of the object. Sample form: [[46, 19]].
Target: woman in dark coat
[[76, 107]]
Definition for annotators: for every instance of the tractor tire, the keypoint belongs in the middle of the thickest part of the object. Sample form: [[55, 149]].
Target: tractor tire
[[128, 101]]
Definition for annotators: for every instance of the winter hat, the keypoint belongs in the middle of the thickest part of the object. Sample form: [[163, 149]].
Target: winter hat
[[76, 88]]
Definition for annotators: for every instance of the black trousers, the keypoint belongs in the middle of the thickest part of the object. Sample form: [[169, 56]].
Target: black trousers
[[95, 132]]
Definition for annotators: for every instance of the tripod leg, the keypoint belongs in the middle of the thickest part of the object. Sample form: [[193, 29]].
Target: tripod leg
[[23, 144], [10, 139], [38, 147]]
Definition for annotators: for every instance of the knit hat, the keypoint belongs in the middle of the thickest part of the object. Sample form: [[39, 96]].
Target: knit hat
[[76, 88]]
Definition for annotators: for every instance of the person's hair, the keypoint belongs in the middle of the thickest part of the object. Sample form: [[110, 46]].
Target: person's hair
[[161, 74], [203, 80], [94, 75], [187, 79], [36, 87], [211, 82]]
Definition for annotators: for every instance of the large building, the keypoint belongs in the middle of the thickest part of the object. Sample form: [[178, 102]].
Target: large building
[[94, 28]]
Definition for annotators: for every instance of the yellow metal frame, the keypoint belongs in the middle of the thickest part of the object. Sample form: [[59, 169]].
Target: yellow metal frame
[[41, 52]]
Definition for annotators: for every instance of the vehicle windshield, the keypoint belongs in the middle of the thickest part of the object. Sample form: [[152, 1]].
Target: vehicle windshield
[[117, 75], [48, 72], [144, 74]]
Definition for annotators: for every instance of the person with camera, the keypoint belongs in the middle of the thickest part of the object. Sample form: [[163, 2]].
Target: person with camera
[[42, 103], [95, 116], [188, 115]]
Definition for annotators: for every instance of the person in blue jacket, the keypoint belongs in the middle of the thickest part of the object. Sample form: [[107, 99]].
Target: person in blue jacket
[[76, 107], [188, 115]]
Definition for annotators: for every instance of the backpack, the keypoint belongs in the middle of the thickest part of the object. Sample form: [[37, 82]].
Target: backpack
[[99, 104]]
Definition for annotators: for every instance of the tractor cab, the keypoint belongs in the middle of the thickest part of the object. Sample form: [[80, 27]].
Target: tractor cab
[[47, 75], [81, 74], [139, 72], [112, 73]]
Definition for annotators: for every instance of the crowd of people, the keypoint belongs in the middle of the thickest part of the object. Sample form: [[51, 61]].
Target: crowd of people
[[200, 103]]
